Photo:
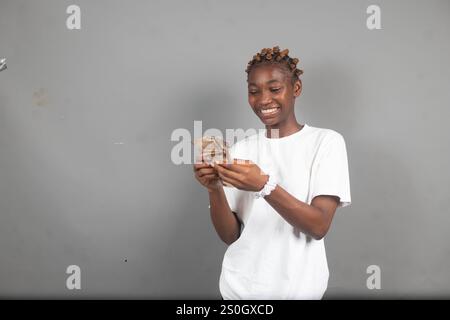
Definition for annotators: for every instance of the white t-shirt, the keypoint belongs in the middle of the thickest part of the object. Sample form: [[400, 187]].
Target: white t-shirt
[[271, 259]]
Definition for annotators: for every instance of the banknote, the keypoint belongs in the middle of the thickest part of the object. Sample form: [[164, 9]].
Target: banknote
[[213, 150]]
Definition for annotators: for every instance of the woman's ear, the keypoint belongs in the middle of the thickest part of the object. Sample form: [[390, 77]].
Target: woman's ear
[[297, 88]]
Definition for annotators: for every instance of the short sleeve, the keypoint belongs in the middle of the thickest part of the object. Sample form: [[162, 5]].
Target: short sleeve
[[330, 174], [232, 193], [238, 200], [232, 197]]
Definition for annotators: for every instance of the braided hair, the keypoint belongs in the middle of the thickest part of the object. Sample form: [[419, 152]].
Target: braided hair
[[276, 57]]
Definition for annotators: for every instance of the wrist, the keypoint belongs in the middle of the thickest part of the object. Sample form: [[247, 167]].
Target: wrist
[[268, 187], [213, 190], [264, 180]]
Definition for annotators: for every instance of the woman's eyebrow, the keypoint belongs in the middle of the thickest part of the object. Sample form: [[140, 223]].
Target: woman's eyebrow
[[268, 82]]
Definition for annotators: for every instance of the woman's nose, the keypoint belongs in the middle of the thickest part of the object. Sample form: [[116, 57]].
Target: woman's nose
[[265, 98]]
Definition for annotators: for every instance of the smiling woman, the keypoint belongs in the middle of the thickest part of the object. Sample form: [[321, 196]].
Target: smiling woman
[[273, 85], [284, 196]]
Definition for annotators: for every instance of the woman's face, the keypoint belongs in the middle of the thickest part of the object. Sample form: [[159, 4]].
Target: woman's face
[[271, 94]]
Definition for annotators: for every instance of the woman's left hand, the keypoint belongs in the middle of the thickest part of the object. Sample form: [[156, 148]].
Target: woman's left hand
[[242, 174]]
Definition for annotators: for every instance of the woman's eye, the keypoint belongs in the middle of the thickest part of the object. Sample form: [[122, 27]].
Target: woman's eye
[[253, 92], [275, 89]]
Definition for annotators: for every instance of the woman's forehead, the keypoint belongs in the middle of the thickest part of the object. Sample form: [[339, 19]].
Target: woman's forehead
[[266, 74]]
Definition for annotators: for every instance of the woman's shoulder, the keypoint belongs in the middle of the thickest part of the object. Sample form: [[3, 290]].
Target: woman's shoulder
[[323, 135]]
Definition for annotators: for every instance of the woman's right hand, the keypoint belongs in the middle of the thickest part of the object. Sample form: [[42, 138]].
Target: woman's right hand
[[207, 176]]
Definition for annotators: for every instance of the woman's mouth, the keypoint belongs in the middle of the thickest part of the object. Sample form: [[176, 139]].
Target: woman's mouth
[[269, 112]]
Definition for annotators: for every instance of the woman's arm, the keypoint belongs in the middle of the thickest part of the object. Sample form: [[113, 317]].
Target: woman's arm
[[224, 220], [314, 219]]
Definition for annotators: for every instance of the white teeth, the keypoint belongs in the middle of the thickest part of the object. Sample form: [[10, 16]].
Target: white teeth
[[267, 111]]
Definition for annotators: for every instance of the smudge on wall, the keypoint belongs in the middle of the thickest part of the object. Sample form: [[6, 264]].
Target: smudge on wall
[[40, 98]]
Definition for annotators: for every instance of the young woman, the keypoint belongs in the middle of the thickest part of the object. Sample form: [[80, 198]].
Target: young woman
[[285, 195]]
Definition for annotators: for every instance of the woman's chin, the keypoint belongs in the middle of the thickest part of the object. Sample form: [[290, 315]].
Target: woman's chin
[[270, 121]]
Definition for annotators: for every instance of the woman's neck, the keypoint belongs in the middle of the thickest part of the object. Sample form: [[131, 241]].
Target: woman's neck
[[282, 130]]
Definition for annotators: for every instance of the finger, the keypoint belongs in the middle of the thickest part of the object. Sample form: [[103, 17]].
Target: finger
[[204, 171], [237, 161], [228, 173], [210, 176], [238, 165], [200, 166], [231, 181]]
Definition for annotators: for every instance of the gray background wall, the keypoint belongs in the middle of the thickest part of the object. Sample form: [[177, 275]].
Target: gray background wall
[[86, 118]]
